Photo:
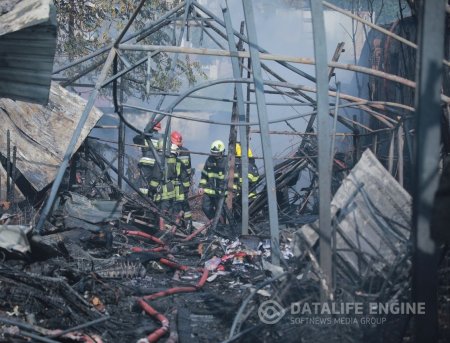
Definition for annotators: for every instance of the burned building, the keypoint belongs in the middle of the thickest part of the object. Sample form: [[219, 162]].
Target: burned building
[[329, 202]]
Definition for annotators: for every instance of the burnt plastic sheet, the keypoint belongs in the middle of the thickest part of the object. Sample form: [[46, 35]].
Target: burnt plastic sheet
[[14, 238], [83, 212]]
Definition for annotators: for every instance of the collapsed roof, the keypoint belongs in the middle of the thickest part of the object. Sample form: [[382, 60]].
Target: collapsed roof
[[42, 133], [372, 215]]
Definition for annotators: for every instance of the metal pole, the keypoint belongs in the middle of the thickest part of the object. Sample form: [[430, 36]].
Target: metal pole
[[400, 146], [13, 175], [336, 112], [356, 139], [166, 140], [121, 130], [242, 35], [116, 110], [126, 39], [249, 41], [8, 165], [391, 154], [429, 71], [87, 70], [174, 61], [323, 130], [276, 58], [309, 126], [76, 134], [231, 166], [376, 27], [272, 103], [241, 112], [126, 62], [149, 71], [279, 78], [130, 22], [247, 109], [73, 141], [121, 140], [210, 35], [127, 70], [264, 127]]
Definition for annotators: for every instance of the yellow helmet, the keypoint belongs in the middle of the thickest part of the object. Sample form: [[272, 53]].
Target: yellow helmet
[[238, 150]]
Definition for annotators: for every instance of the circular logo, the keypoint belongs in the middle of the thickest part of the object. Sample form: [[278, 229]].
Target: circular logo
[[270, 312]]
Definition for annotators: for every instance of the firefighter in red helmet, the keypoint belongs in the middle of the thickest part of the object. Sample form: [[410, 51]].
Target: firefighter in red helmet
[[182, 202]]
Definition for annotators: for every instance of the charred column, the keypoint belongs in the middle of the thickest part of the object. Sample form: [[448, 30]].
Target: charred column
[[8, 165], [426, 169], [324, 143]]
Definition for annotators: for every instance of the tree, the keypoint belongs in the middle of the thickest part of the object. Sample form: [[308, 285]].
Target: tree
[[381, 11], [85, 26]]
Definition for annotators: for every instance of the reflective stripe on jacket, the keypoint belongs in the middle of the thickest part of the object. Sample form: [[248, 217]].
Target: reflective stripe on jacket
[[213, 175], [253, 176]]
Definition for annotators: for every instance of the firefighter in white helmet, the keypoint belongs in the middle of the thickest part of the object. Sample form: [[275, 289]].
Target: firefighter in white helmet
[[212, 182]]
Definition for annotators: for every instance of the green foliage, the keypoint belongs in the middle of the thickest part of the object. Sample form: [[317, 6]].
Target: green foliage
[[85, 26]]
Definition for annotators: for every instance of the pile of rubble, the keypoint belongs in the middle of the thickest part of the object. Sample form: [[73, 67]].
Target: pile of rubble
[[96, 277], [101, 271]]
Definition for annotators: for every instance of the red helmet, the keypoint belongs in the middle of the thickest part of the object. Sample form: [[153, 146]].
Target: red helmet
[[157, 125], [176, 138]]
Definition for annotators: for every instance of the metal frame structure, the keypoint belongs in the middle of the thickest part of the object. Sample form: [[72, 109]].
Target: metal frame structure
[[222, 33], [324, 141]]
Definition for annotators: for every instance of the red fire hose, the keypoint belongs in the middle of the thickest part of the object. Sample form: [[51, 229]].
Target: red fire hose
[[162, 248], [165, 325], [144, 235], [196, 232]]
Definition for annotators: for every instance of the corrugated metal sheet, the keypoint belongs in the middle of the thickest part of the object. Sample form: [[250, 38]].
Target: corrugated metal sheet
[[27, 50], [42, 133], [372, 213]]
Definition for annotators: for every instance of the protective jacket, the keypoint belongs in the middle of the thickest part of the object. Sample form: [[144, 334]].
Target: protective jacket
[[213, 176], [169, 184], [185, 157], [253, 177], [164, 182]]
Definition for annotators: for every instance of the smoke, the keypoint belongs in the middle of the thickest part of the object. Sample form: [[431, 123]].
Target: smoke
[[283, 28]]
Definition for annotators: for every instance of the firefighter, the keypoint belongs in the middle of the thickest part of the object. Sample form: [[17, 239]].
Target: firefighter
[[212, 182], [168, 182], [145, 138], [253, 174], [185, 157], [154, 177], [147, 161]]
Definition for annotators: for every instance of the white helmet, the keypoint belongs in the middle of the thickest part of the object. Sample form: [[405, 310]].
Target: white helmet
[[217, 148]]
